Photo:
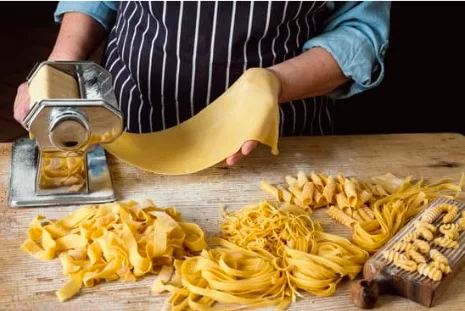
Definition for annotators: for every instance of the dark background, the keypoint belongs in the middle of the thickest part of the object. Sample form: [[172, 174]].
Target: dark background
[[421, 91]]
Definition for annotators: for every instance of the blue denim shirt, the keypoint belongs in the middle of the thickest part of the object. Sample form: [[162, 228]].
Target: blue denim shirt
[[356, 35]]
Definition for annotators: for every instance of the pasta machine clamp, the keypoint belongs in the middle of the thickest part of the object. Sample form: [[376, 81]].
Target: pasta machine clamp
[[73, 111]]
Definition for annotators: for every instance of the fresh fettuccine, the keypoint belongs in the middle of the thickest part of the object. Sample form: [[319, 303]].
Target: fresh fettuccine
[[266, 256]]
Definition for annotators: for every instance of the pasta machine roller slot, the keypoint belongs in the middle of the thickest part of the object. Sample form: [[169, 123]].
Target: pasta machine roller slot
[[73, 110]]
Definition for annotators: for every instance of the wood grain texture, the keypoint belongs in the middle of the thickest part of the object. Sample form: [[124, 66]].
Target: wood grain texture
[[27, 283]]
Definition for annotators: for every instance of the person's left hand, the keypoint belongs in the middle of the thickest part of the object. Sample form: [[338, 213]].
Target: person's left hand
[[246, 149]]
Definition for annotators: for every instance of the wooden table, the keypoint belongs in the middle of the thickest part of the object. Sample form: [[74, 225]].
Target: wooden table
[[27, 283]]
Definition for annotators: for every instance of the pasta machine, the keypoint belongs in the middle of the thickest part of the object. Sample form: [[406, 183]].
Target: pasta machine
[[73, 111]]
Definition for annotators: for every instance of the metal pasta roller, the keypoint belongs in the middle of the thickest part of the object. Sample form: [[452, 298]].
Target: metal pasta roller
[[73, 111]]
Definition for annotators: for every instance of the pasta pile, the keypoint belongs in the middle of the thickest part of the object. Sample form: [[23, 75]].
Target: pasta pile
[[411, 253], [265, 256], [374, 210], [113, 241], [62, 169]]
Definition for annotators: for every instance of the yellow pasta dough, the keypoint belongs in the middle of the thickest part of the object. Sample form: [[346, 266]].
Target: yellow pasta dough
[[248, 110], [51, 83]]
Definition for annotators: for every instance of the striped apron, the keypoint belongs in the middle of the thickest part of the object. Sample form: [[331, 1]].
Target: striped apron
[[169, 60]]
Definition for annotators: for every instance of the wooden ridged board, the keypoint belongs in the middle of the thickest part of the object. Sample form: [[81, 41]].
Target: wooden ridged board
[[382, 277]]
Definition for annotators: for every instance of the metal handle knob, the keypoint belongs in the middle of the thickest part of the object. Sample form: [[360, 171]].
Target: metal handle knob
[[68, 128]]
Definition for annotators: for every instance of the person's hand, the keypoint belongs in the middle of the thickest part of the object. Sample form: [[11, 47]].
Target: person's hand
[[246, 149], [21, 105]]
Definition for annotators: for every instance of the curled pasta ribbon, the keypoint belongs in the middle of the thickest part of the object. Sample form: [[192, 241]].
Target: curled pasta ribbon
[[432, 214], [450, 231], [446, 242], [122, 240], [410, 237], [430, 271], [421, 246], [446, 208], [451, 234], [447, 227], [444, 268], [407, 265], [392, 256], [437, 256], [403, 247], [425, 233], [451, 210], [461, 222], [416, 256], [426, 225]]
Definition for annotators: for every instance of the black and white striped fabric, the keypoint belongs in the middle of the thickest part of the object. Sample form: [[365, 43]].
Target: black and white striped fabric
[[169, 60]]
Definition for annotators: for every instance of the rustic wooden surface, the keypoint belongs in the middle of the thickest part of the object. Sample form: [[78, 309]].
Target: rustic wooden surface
[[27, 283]]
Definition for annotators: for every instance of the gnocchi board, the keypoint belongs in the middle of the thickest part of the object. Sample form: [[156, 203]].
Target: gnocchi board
[[383, 277]]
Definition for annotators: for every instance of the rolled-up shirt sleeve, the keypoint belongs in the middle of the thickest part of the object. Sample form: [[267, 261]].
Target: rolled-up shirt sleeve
[[357, 36], [103, 12]]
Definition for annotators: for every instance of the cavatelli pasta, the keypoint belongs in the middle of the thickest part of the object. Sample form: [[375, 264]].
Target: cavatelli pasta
[[450, 216], [461, 223], [410, 237], [431, 214], [446, 242], [447, 227], [451, 234], [403, 247], [447, 207], [391, 256], [425, 233], [428, 226], [437, 256], [416, 256], [430, 271], [421, 246], [408, 265], [445, 268]]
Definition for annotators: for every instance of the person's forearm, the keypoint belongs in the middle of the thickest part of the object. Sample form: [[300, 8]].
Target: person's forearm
[[313, 73], [78, 37]]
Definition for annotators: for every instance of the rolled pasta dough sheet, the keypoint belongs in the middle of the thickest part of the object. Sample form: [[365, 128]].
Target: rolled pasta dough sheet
[[248, 110]]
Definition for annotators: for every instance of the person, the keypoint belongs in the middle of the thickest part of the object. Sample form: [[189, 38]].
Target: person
[[169, 60]]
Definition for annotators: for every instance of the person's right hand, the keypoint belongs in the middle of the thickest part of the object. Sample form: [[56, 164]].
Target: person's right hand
[[21, 106]]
